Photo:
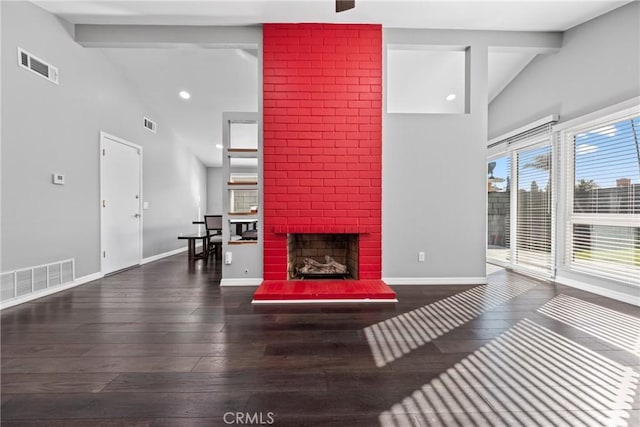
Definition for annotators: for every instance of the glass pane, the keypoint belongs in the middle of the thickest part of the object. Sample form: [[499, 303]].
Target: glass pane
[[498, 209], [243, 135], [533, 245], [607, 250], [607, 169]]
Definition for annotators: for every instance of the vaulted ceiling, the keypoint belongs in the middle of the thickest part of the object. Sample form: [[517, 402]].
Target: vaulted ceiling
[[506, 15], [226, 80]]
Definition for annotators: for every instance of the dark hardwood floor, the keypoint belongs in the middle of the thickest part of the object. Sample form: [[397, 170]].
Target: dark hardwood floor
[[162, 345]]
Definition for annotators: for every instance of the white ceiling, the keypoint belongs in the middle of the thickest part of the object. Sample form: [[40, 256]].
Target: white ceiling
[[217, 79], [226, 80], [537, 15], [504, 67]]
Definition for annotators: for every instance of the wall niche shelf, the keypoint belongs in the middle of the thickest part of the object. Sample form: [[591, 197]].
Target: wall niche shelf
[[241, 183], [241, 163], [242, 150]]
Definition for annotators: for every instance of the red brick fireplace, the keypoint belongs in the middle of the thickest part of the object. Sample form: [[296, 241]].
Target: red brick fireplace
[[322, 150]]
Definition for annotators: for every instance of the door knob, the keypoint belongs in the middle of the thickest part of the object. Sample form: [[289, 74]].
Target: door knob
[[137, 215]]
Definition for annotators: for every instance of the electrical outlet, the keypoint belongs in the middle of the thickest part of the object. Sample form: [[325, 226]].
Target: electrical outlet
[[228, 257], [421, 256]]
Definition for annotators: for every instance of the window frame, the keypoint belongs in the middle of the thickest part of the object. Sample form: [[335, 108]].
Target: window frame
[[566, 138]]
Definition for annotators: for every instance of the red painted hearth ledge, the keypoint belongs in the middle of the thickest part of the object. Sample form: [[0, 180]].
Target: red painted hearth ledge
[[321, 291]]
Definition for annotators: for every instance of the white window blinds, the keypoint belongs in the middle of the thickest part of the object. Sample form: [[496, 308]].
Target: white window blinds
[[604, 199], [528, 158], [534, 208]]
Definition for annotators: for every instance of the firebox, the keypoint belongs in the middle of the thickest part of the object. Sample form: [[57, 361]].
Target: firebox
[[317, 256]]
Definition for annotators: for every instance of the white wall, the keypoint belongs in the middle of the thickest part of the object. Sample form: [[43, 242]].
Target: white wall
[[434, 167], [215, 185], [433, 190], [598, 66], [55, 128]]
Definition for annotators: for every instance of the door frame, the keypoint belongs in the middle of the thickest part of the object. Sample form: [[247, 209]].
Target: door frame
[[103, 136]]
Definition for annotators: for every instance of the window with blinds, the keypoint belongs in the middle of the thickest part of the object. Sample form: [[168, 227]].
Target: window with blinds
[[534, 208], [520, 208], [604, 204]]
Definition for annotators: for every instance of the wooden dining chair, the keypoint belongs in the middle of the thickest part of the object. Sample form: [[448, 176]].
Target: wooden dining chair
[[213, 226]]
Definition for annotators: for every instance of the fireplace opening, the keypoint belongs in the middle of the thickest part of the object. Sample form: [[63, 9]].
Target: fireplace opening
[[322, 256]]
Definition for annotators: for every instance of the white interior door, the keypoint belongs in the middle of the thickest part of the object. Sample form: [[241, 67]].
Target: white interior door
[[121, 228]]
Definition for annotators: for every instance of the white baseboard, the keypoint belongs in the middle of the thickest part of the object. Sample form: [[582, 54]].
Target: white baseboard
[[49, 291], [435, 280], [163, 255], [629, 299], [241, 282]]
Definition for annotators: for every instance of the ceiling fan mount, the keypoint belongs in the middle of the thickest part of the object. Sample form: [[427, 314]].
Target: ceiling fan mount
[[342, 5]]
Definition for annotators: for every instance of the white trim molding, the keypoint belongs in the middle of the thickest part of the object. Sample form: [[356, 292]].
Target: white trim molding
[[241, 282], [543, 121], [604, 114], [50, 291], [164, 255], [598, 290], [481, 280]]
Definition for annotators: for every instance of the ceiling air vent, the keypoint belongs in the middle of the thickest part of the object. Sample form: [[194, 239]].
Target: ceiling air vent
[[37, 66], [149, 125]]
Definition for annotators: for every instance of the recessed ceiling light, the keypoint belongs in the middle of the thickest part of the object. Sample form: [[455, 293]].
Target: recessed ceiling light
[[451, 97], [218, 145], [184, 94]]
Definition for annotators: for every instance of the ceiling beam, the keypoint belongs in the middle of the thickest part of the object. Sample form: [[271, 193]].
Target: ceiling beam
[[140, 36], [506, 41]]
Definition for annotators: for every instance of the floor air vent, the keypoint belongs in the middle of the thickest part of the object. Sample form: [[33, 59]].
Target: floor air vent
[[149, 125], [26, 281], [37, 66]]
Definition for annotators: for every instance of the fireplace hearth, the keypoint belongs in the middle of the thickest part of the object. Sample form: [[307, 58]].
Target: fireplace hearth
[[322, 256]]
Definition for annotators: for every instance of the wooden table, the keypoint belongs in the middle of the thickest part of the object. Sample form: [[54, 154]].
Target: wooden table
[[193, 238]]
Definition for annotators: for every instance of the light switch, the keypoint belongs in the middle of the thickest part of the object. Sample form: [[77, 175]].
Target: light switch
[[145, 205], [57, 178]]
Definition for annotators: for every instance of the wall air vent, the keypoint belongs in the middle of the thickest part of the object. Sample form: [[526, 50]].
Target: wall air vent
[[149, 125], [37, 66]]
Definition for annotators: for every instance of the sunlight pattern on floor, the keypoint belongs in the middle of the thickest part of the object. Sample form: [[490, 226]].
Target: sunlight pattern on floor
[[613, 327], [528, 376], [393, 338]]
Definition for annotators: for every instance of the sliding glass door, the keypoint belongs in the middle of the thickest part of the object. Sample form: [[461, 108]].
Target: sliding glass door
[[520, 203]]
